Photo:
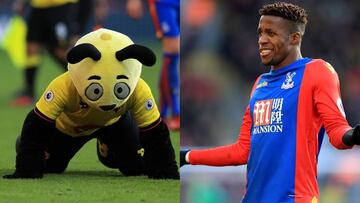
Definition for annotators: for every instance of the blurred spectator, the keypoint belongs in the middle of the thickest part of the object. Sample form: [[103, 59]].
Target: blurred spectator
[[101, 12], [166, 18], [54, 25]]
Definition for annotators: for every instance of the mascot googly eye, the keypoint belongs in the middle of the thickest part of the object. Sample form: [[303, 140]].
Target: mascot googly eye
[[105, 67]]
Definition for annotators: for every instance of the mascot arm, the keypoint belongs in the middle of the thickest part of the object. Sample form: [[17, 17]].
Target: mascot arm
[[31, 144], [159, 152]]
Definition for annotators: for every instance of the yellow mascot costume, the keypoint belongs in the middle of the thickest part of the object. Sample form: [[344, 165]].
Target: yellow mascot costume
[[100, 96]]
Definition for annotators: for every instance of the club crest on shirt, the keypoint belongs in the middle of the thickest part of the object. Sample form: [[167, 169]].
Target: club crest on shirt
[[149, 104], [288, 83], [49, 96]]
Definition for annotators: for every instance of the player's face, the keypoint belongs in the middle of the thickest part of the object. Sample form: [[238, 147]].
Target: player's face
[[274, 41]]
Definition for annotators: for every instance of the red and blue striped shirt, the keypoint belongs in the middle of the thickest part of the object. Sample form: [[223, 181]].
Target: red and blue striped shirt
[[282, 131]]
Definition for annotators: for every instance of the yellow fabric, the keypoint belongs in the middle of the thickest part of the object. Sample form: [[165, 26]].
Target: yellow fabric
[[61, 102], [314, 200], [14, 41], [49, 3]]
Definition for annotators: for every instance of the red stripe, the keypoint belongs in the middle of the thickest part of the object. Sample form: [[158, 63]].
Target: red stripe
[[151, 126], [155, 18], [306, 140], [163, 100], [255, 85], [166, 79], [165, 87], [41, 115]]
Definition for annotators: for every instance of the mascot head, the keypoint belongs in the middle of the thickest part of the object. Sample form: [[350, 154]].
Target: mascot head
[[105, 67]]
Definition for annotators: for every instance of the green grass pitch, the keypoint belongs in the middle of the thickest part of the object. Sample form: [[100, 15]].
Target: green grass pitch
[[86, 179]]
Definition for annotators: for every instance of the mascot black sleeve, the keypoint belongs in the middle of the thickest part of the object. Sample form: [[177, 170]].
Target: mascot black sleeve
[[159, 153], [30, 150]]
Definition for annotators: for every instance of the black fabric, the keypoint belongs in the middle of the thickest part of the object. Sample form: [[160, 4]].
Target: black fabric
[[61, 149], [141, 53], [31, 146], [183, 157], [352, 137], [84, 10], [122, 146], [159, 153], [152, 125], [41, 148], [82, 51], [30, 74], [47, 25], [356, 135]]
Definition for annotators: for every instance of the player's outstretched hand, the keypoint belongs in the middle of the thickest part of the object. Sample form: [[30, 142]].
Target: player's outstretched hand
[[352, 137], [183, 157], [17, 175], [356, 135]]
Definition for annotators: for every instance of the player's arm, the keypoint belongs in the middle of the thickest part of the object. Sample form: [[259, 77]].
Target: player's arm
[[154, 135], [35, 134], [327, 100], [229, 155], [233, 154]]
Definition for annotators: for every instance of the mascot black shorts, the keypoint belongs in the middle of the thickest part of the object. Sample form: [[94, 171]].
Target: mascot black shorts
[[51, 26]]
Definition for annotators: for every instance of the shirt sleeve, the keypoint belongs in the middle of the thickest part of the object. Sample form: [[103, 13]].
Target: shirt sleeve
[[328, 103], [233, 154], [144, 106], [52, 102], [229, 155]]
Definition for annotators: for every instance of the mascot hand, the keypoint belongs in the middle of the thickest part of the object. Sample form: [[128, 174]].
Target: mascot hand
[[17, 175], [30, 147], [163, 173], [159, 153]]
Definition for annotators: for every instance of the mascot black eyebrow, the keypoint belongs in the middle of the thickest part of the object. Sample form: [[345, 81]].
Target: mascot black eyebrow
[[100, 96]]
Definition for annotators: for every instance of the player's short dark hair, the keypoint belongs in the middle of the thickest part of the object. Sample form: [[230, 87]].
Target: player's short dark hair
[[288, 11]]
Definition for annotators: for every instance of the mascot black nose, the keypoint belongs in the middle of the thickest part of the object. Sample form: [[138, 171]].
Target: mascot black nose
[[107, 107]]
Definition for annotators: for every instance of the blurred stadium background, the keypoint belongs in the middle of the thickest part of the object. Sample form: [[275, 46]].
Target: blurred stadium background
[[219, 63], [84, 168]]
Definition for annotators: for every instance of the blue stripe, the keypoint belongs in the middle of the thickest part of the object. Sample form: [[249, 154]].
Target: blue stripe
[[272, 158], [320, 139]]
